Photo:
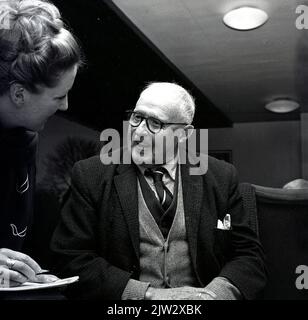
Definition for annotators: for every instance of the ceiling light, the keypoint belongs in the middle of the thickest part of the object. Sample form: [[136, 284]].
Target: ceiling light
[[245, 18], [282, 105]]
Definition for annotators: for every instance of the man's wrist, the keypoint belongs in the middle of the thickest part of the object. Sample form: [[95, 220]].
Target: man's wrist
[[149, 293], [135, 290]]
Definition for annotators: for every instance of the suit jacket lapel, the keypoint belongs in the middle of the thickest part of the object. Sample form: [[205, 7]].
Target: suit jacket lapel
[[126, 185], [194, 193], [192, 197]]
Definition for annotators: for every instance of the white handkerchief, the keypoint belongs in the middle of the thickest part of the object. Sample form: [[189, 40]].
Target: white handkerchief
[[225, 224], [220, 225]]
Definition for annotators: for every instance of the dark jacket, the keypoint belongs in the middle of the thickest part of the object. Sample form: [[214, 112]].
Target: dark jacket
[[98, 235], [17, 182]]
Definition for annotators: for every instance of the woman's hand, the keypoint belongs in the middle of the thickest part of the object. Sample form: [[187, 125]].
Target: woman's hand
[[17, 268]]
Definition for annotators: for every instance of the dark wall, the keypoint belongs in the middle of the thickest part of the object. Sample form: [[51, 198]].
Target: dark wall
[[56, 131], [264, 153]]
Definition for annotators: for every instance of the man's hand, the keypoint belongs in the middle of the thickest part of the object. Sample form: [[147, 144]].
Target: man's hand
[[17, 268], [181, 293]]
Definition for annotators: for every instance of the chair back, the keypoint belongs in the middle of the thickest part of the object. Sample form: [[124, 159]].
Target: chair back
[[283, 230]]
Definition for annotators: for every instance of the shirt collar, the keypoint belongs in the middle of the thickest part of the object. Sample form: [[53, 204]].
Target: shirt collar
[[170, 167]]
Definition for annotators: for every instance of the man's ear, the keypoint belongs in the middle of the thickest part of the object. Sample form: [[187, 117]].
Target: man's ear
[[188, 130], [17, 94]]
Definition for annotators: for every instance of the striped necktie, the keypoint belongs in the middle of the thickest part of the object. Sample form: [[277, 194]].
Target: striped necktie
[[164, 194]]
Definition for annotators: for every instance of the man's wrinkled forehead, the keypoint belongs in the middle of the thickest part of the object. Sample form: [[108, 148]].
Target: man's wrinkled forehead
[[159, 95], [156, 97]]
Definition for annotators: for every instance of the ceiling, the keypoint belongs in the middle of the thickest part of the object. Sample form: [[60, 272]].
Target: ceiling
[[119, 63], [237, 71]]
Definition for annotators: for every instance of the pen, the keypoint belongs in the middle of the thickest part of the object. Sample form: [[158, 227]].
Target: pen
[[43, 271]]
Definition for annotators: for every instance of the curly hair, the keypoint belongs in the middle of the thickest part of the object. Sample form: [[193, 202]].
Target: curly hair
[[37, 47]]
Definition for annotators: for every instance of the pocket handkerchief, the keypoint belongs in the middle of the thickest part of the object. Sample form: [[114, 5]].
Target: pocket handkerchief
[[225, 224]]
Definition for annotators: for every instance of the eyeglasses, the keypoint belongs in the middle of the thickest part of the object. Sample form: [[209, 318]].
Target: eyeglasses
[[154, 125]]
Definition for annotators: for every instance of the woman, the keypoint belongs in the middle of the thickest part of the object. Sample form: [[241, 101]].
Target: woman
[[39, 59]]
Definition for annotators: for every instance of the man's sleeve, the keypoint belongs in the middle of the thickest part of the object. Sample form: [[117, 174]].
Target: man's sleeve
[[245, 268], [135, 290], [222, 289], [74, 243]]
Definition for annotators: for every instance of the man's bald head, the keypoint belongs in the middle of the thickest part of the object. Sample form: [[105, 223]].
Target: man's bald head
[[178, 101]]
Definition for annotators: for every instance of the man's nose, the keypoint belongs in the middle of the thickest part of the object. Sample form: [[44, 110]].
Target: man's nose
[[142, 129], [64, 104]]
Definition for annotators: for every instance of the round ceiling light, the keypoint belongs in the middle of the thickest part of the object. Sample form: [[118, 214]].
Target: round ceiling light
[[282, 105], [245, 18]]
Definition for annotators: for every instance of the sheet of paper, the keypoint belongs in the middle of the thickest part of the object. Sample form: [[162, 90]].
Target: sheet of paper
[[36, 286]]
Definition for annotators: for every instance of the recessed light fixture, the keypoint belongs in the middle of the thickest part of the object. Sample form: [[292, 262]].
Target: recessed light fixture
[[245, 18], [282, 105]]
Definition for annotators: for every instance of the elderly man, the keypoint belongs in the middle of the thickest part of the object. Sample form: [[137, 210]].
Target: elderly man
[[150, 230]]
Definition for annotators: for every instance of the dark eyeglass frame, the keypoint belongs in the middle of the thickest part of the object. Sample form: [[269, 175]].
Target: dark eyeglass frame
[[143, 117]]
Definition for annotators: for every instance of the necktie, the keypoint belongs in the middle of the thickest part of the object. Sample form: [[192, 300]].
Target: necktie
[[164, 194]]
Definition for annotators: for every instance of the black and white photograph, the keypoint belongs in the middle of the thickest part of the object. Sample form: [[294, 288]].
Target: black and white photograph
[[153, 150]]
